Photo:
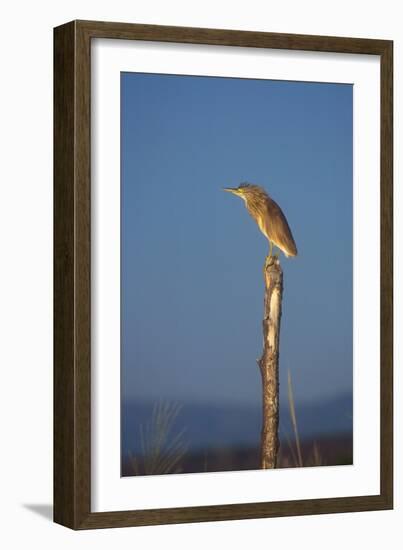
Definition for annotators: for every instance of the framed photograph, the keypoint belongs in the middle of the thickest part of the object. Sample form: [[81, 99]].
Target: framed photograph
[[213, 189]]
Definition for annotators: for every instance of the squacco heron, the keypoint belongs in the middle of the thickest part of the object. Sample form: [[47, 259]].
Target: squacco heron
[[268, 216]]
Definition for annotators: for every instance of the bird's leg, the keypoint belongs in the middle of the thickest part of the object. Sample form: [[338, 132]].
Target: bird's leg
[[271, 255]]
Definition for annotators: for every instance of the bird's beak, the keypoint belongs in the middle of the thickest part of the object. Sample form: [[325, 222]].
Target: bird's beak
[[231, 190]]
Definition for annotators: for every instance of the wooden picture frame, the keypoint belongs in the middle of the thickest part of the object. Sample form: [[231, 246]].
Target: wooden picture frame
[[72, 269]]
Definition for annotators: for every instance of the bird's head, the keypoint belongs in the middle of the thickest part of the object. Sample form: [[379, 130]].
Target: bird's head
[[246, 191]]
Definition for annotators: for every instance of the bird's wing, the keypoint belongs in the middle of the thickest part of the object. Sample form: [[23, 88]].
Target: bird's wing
[[279, 231]]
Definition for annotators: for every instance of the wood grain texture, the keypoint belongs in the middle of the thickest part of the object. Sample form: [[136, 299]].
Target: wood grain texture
[[386, 282], [64, 382], [221, 37], [269, 363], [72, 263], [72, 297]]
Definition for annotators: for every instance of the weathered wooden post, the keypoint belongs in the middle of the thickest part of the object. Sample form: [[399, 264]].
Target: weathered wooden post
[[268, 363]]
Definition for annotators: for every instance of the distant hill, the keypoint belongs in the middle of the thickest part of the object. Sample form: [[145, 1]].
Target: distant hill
[[215, 426]]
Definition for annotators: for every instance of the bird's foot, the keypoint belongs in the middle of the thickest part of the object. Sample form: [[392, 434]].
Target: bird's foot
[[270, 259]]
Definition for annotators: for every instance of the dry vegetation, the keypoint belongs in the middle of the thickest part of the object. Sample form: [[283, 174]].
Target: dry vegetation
[[164, 447]]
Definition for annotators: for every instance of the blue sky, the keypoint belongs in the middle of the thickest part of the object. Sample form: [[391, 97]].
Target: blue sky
[[192, 258]]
